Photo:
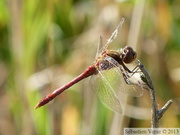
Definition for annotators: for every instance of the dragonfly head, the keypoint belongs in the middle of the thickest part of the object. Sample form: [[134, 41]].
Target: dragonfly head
[[128, 55]]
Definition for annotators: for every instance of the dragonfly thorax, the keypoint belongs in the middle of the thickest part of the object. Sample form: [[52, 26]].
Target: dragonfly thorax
[[104, 61], [105, 65]]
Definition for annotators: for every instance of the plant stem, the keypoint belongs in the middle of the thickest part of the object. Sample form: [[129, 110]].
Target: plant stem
[[156, 114]]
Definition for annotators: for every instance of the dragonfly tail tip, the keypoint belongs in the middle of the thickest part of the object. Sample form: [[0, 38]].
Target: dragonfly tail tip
[[37, 106]]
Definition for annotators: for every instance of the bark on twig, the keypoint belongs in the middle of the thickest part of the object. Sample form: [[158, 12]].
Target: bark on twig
[[164, 108], [156, 114]]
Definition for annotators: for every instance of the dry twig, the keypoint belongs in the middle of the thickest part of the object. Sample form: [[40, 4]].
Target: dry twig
[[156, 114]]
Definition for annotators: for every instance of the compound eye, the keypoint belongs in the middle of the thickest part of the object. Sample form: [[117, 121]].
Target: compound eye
[[129, 54]]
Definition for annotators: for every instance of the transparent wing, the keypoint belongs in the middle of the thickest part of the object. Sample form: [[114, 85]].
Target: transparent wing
[[112, 79], [123, 81], [113, 35], [100, 44], [105, 92]]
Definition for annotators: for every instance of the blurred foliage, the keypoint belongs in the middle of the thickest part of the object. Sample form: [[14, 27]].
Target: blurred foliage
[[40, 42]]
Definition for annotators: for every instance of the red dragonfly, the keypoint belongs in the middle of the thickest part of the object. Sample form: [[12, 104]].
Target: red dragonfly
[[109, 73]]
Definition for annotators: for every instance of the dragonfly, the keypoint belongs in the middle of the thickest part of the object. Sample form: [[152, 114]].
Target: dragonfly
[[110, 74]]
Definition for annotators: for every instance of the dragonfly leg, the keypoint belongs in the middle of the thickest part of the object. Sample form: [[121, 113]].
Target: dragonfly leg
[[136, 70], [126, 76], [126, 68]]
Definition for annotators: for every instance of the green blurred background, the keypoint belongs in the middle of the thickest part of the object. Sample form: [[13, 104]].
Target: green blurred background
[[45, 44]]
